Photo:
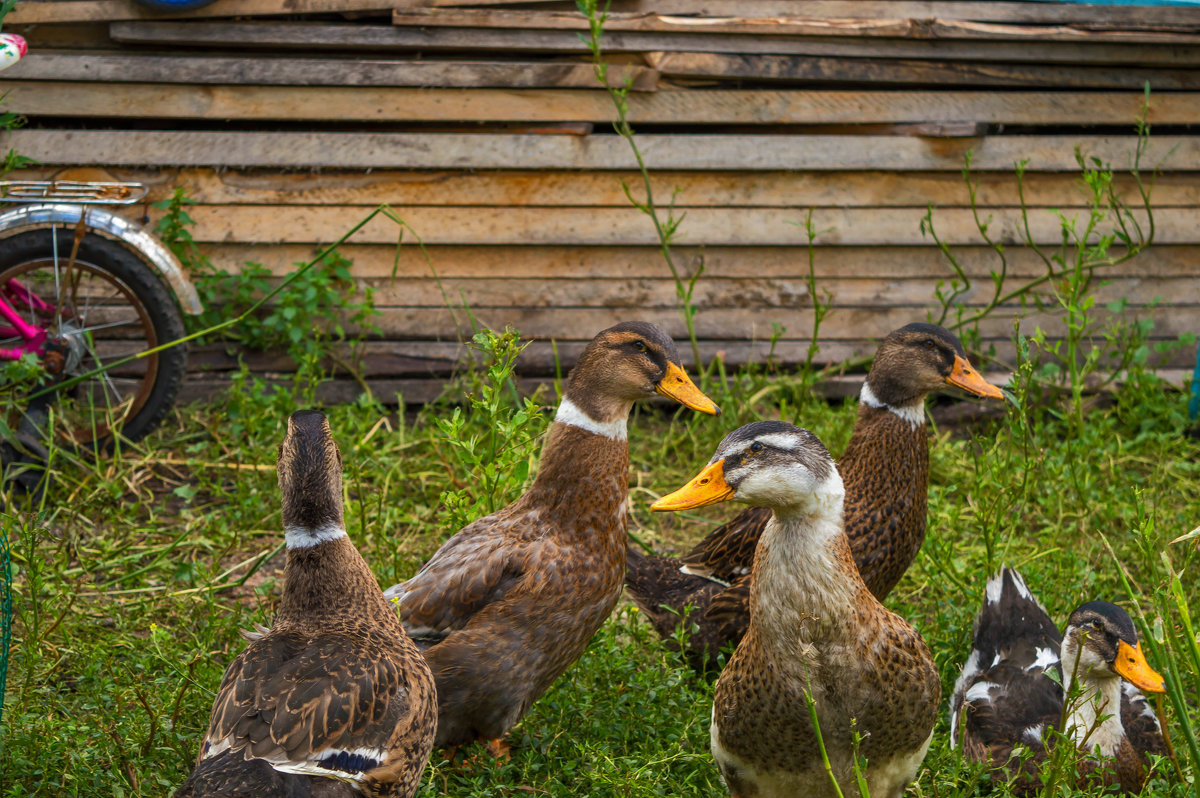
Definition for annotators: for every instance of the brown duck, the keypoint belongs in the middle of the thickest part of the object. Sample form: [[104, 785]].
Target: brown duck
[[511, 601], [886, 472], [334, 699], [1010, 693], [814, 629]]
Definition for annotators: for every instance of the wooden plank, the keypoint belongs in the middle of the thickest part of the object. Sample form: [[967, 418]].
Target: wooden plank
[[284, 71], [766, 107], [599, 189], [361, 38], [374, 261], [784, 25], [1040, 13], [751, 107], [766, 294], [802, 69], [745, 323], [628, 226], [381, 360], [503, 151]]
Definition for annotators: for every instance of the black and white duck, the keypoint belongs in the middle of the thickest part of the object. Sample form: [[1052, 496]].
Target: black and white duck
[[1011, 692]]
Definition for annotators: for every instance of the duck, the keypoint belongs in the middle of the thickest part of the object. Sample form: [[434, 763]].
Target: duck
[[1010, 693], [885, 469], [333, 699], [509, 602], [815, 630]]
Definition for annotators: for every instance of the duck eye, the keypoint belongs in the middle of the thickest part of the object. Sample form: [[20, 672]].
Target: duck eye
[[639, 346], [1099, 627], [929, 344], [756, 447]]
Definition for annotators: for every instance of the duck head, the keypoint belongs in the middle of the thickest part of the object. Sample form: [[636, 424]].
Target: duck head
[[310, 480], [1101, 637], [920, 359], [769, 464], [630, 361]]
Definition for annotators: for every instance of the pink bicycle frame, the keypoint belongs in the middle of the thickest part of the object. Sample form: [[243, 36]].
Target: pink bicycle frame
[[34, 337]]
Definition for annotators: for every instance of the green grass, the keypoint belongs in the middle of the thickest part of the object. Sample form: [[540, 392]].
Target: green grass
[[133, 580]]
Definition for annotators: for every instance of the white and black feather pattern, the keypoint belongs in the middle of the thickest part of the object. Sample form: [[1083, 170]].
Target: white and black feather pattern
[[1014, 630]]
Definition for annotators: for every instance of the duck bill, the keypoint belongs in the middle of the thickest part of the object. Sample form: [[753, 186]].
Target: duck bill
[[1132, 666], [965, 377], [707, 487], [677, 385]]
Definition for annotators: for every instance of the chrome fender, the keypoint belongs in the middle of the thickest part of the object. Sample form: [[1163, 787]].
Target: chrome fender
[[149, 248]]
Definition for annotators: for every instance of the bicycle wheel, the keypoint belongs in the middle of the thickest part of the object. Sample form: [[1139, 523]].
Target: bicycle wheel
[[102, 306]]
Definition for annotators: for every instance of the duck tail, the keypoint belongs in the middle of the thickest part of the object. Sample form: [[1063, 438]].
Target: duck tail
[[1010, 615], [229, 775]]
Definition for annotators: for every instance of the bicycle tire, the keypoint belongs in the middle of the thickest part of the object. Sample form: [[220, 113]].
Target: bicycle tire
[[157, 315]]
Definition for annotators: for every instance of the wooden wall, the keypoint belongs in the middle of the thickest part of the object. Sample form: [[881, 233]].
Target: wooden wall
[[482, 128]]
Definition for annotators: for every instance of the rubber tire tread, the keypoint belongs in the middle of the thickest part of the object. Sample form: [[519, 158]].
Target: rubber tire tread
[[160, 305]]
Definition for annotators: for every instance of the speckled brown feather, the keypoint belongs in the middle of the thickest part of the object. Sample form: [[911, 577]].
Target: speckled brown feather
[[334, 672], [886, 472], [815, 626], [512, 600]]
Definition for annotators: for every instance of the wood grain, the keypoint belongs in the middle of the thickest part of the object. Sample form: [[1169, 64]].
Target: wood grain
[[372, 261], [627, 226], [321, 36], [280, 71], [883, 71], [1041, 13], [505, 151], [751, 107], [600, 189]]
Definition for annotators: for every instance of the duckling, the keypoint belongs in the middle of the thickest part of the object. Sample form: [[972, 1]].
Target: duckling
[[1010, 692], [334, 699], [511, 601], [816, 629], [886, 472]]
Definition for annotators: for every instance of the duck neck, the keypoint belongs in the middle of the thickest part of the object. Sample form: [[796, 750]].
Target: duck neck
[[910, 409], [328, 579], [584, 471], [1094, 715], [804, 585]]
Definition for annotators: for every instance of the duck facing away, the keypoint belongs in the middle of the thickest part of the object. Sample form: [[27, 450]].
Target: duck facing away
[[334, 699], [885, 469], [814, 627], [512, 600], [1011, 691]]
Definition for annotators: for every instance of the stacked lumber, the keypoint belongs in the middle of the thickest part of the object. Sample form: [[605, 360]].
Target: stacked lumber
[[483, 125]]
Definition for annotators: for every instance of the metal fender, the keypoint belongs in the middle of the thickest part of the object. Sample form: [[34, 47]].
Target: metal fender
[[149, 248]]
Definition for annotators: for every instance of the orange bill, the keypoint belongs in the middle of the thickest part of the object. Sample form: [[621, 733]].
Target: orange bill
[[1131, 664], [965, 377], [677, 385], [707, 487]]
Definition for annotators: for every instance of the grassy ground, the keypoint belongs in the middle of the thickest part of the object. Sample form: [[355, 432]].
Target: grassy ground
[[134, 579]]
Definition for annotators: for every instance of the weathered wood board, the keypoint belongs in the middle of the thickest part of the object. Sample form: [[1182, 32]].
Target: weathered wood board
[[303, 150], [286, 71], [746, 107]]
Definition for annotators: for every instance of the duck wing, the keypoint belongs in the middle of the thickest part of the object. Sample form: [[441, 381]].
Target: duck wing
[[326, 706], [477, 567], [727, 553]]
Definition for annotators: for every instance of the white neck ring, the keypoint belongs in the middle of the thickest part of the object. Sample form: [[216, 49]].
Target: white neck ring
[[570, 413], [299, 537], [913, 413]]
